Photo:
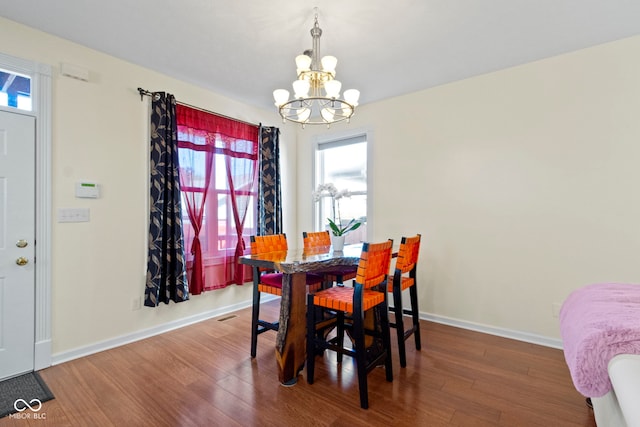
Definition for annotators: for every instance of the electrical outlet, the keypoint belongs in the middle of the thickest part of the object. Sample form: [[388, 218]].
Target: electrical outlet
[[136, 303], [555, 309]]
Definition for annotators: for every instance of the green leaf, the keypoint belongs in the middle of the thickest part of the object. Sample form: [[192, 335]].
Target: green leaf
[[334, 228], [353, 227], [339, 231]]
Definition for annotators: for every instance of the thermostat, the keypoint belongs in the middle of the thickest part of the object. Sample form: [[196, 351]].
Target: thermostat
[[87, 190]]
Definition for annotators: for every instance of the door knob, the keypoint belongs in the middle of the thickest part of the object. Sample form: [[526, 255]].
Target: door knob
[[22, 261]]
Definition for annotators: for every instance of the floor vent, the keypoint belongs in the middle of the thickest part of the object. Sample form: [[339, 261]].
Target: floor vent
[[226, 318]]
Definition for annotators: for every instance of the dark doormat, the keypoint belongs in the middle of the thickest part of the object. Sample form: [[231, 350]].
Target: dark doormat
[[25, 394]]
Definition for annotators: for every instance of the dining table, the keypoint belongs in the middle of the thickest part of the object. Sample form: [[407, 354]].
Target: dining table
[[295, 264]]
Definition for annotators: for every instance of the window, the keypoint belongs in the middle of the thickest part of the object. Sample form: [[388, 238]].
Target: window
[[343, 162], [15, 90], [218, 160], [218, 235]]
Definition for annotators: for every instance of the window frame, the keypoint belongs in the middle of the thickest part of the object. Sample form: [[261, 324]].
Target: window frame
[[339, 139]]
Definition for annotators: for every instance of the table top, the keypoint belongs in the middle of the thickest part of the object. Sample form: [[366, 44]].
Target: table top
[[299, 261]]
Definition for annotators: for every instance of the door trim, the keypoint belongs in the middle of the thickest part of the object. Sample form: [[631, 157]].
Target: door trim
[[41, 96]]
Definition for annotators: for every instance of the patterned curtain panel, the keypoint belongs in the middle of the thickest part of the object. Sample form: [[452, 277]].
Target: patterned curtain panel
[[166, 273], [269, 193]]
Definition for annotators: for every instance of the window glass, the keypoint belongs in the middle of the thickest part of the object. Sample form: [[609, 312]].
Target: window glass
[[15, 90], [344, 164], [218, 234]]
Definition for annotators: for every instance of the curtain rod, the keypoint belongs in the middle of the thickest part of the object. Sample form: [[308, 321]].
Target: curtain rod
[[144, 92]]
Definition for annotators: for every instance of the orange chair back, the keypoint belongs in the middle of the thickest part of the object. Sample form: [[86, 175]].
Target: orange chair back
[[408, 254], [315, 239], [374, 265], [269, 243]]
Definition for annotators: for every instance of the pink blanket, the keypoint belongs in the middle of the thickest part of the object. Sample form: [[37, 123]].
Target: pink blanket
[[598, 322]]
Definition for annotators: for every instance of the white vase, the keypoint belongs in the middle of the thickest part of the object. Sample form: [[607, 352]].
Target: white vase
[[337, 242]]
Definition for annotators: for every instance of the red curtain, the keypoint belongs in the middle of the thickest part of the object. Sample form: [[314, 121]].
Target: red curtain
[[218, 170]]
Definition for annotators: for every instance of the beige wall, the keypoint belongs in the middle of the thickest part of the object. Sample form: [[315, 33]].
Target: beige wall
[[523, 183], [99, 132]]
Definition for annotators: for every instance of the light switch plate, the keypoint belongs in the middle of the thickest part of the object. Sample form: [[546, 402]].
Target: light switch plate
[[73, 214]]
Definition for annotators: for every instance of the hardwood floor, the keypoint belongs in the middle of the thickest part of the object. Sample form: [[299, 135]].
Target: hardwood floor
[[202, 375]]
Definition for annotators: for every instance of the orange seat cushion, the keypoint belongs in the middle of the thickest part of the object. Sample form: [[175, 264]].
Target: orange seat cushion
[[274, 290], [341, 298], [313, 287]]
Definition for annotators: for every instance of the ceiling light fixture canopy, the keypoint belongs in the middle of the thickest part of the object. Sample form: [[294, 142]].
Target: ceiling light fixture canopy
[[316, 93]]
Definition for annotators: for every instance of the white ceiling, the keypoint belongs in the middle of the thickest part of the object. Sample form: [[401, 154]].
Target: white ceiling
[[245, 48]]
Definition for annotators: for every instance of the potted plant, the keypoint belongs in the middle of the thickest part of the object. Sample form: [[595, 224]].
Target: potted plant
[[338, 230]]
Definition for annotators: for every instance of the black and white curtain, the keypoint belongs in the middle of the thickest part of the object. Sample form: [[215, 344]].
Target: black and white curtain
[[269, 193], [166, 272]]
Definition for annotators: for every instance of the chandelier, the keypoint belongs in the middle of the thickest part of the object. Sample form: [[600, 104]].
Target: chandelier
[[316, 98]]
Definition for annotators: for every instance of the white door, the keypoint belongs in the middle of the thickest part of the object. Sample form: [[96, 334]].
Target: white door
[[17, 246]]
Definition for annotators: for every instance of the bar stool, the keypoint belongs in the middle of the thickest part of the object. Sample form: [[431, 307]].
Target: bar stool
[[405, 277], [369, 292], [320, 240], [270, 282]]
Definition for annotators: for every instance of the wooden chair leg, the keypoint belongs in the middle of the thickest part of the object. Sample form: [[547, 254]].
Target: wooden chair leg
[[361, 362], [413, 293], [254, 320], [399, 323], [339, 334], [386, 340], [311, 337]]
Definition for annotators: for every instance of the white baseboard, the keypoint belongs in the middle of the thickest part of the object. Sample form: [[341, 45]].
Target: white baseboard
[[146, 333], [76, 353], [492, 330]]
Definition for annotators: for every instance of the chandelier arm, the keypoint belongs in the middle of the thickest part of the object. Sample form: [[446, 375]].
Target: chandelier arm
[[293, 109]]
